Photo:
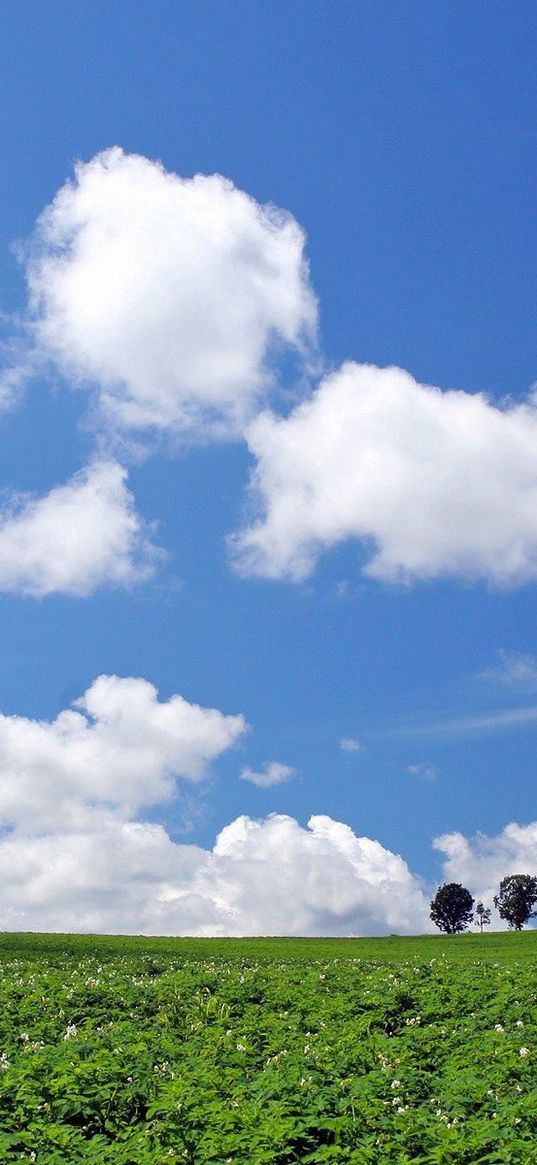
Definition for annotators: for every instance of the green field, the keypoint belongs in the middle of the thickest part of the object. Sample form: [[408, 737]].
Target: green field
[[144, 1051]]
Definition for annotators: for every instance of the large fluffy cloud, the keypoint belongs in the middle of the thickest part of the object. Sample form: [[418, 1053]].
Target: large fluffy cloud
[[118, 748], [433, 483], [481, 862], [77, 854], [167, 295], [283, 879], [76, 538], [261, 877]]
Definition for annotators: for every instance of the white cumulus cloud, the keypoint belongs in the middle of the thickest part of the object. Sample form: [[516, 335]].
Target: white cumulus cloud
[[77, 854], [432, 483], [116, 749], [166, 295], [77, 537], [261, 877], [273, 773]]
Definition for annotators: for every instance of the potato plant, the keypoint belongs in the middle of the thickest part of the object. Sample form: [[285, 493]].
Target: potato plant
[[140, 1052]]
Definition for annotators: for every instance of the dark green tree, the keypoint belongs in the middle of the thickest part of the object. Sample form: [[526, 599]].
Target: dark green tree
[[452, 907], [516, 898], [482, 916]]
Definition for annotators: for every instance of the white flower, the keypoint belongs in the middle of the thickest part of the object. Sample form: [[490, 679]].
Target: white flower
[[523, 1051], [498, 1027]]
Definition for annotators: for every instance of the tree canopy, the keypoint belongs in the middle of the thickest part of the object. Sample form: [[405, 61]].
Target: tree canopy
[[516, 898], [452, 908]]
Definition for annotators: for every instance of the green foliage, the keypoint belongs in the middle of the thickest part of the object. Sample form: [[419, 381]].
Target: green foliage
[[451, 908], [516, 899], [140, 1052]]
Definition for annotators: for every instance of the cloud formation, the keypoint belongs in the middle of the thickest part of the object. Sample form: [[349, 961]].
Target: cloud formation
[[261, 877], [506, 720], [169, 299], [432, 483], [514, 668], [274, 773], [17, 369], [77, 854], [480, 862], [117, 748], [272, 876], [167, 296], [78, 537]]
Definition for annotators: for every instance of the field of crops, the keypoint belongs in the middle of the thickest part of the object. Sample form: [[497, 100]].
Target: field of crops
[[267, 1052]]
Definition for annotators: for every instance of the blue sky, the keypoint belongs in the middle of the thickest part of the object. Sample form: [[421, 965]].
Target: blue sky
[[215, 485]]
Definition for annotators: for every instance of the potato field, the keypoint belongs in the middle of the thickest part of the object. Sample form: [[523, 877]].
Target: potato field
[[127, 1051]]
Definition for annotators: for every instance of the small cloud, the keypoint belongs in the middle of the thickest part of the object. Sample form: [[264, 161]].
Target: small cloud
[[348, 744], [428, 772], [514, 667], [83, 534], [13, 378], [273, 773]]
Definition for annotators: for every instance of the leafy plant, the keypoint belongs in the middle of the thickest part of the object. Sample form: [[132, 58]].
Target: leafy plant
[[139, 1052]]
